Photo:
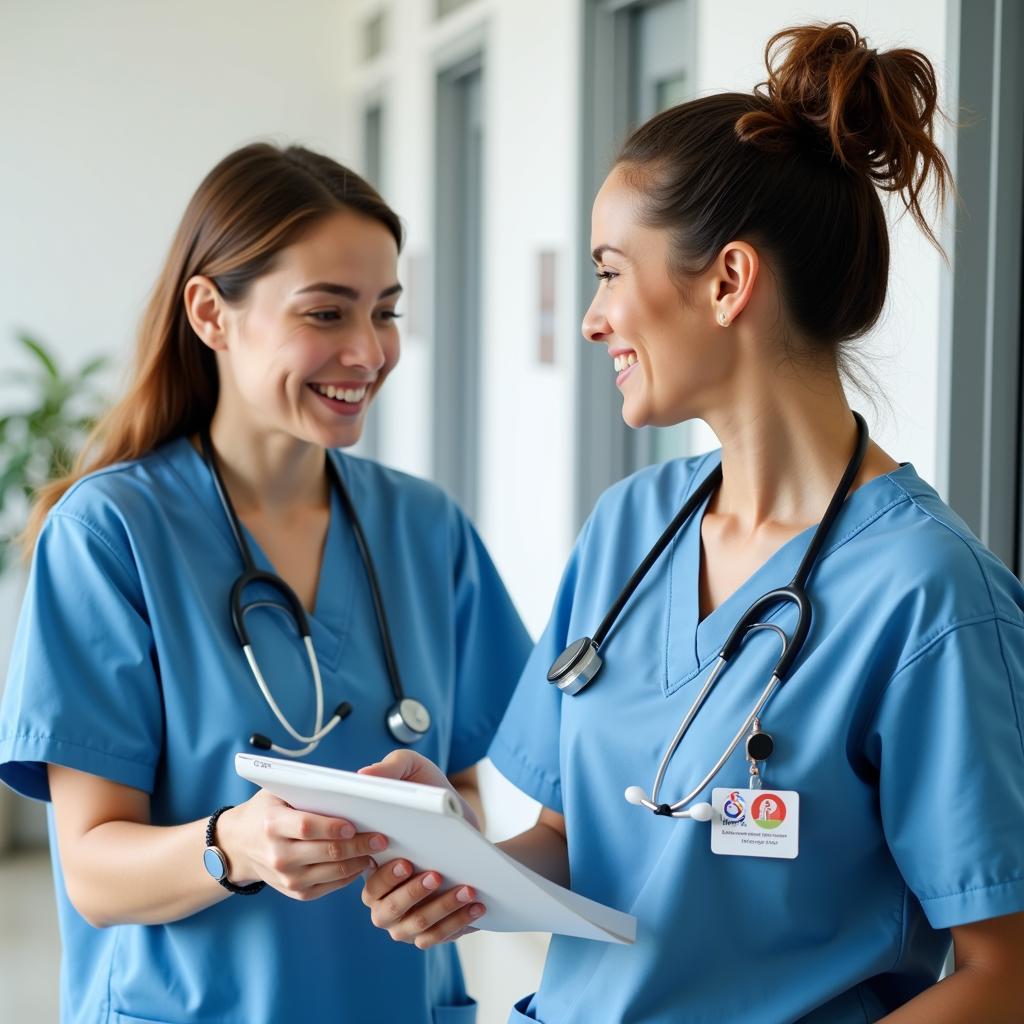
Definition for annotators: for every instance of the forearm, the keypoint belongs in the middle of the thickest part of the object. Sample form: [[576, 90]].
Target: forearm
[[969, 994], [122, 872], [542, 849]]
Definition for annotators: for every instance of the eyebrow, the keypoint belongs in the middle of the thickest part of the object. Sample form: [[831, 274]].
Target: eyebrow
[[346, 291], [602, 249]]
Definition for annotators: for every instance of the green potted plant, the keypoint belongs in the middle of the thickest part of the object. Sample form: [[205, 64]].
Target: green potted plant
[[51, 412]]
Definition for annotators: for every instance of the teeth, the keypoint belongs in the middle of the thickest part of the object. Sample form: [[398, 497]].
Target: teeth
[[342, 394], [624, 362]]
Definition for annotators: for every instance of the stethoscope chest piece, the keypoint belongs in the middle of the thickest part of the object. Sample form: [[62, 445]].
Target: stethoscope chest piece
[[408, 721], [576, 666]]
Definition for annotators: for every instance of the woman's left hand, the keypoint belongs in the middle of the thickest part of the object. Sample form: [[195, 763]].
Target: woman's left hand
[[408, 766], [410, 906]]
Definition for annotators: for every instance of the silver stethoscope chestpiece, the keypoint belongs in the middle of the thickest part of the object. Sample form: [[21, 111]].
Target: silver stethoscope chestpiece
[[576, 666], [408, 721]]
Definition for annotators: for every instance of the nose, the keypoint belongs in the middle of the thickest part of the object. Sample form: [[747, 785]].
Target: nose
[[595, 326], [363, 348]]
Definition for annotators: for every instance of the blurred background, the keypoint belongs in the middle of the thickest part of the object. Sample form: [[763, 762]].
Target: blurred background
[[489, 125]]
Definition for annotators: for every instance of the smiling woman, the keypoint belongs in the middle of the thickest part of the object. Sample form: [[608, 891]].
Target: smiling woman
[[270, 330], [741, 246]]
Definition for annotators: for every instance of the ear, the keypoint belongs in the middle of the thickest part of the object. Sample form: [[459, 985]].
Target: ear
[[206, 311], [732, 283]]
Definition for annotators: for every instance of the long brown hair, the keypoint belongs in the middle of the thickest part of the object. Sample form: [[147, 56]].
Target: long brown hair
[[795, 167], [253, 204]]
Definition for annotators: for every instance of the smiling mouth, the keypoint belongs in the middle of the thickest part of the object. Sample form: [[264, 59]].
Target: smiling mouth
[[343, 395], [624, 362]]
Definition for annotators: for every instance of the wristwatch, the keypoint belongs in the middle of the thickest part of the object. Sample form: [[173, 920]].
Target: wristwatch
[[216, 863]]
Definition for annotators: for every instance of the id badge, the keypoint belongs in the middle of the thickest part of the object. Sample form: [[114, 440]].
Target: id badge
[[755, 822]]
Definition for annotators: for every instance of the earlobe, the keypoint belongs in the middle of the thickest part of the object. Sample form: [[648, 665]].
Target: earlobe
[[738, 266], [204, 307]]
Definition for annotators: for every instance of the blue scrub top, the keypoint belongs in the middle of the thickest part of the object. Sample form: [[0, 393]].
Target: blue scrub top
[[900, 727], [126, 666]]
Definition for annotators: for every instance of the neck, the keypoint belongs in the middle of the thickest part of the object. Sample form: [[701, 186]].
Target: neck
[[269, 472], [784, 451]]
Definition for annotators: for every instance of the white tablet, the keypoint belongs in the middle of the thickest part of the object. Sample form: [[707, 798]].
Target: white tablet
[[424, 825]]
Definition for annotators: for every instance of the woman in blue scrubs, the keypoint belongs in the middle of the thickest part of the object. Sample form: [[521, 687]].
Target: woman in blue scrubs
[[271, 328], [740, 244]]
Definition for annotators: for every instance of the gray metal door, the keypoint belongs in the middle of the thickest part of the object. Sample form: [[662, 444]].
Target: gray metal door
[[640, 58], [981, 415], [458, 280], [373, 169]]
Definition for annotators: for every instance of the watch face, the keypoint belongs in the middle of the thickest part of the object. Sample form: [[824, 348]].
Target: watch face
[[213, 861]]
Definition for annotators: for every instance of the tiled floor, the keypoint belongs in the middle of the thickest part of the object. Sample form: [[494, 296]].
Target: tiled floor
[[499, 968]]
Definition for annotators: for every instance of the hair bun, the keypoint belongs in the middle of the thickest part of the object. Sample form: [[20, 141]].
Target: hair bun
[[872, 112]]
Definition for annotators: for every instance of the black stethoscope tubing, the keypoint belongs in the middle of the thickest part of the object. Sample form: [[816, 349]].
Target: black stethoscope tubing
[[579, 663], [407, 720]]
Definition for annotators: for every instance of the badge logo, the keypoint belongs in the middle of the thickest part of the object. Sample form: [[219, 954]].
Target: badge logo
[[768, 810], [733, 809]]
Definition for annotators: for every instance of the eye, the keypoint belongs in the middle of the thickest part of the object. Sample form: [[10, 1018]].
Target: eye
[[605, 275], [389, 315], [324, 315]]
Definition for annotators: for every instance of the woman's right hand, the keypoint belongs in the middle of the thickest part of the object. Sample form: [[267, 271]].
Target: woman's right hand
[[302, 855], [410, 907]]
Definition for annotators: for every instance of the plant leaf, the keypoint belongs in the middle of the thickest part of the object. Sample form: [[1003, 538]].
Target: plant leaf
[[93, 366], [37, 349]]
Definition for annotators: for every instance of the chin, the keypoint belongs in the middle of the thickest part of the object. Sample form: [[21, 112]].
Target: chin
[[634, 418], [335, 437]]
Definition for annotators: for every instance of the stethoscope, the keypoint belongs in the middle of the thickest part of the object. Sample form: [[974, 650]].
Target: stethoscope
[[407, 719], [580, 662]]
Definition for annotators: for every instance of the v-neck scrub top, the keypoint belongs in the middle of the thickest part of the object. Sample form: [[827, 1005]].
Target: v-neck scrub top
[[126, 666], [899, 727]]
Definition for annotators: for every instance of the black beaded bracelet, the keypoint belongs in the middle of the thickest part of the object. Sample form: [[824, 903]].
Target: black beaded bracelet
[[212, 849]]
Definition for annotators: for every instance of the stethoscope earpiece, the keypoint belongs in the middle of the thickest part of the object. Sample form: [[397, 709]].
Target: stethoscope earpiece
[[699, 812]]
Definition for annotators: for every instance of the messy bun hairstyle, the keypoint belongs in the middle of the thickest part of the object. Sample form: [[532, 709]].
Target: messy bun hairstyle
[[795, 168]]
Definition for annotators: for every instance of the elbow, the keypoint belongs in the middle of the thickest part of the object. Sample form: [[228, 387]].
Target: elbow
[[85, 904]]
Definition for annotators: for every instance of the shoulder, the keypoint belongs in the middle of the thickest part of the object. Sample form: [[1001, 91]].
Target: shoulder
[[400, 499], [931, 569], [650, 497], [115, 502]]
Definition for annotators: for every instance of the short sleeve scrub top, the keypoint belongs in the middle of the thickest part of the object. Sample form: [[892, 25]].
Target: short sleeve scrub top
[[126, 666], [899, 727]]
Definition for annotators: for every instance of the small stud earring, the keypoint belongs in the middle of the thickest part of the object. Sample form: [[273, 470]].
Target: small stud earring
[[723, 319]]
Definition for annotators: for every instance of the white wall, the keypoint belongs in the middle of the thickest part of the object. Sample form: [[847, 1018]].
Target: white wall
[[112, 112]]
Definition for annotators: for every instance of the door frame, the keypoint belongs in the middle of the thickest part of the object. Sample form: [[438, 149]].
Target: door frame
[[980, 394]]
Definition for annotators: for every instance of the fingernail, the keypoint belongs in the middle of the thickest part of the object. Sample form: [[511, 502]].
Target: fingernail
[[464, 895], [401, 871], [347, 831], [431, 881], [476, 910], [378, 843]]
